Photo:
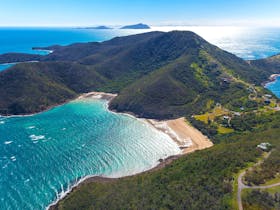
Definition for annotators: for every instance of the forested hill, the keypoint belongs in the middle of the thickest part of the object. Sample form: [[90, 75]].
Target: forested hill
[[271, 65], [157, 74]]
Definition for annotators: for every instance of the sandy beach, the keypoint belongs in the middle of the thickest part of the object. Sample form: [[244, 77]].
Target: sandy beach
[[98, 95], [188, 138]]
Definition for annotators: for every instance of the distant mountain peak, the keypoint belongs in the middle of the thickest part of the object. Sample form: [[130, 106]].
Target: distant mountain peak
[[136, 26]]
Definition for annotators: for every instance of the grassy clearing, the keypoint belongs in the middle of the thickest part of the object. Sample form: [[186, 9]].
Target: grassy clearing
[[223, 130], [273, 190], [216, 112], [273, 181]]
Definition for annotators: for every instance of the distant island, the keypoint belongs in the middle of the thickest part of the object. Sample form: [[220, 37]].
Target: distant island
[[95, 27], [136, 26]]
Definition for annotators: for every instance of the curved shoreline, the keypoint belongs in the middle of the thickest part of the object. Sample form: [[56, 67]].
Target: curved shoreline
[[103, 179], [186, 141], [14, 63], [185, 136], [272, 78]]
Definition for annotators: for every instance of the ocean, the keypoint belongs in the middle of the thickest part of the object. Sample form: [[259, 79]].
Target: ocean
[[274, 86], [23, 39], [42, 155]]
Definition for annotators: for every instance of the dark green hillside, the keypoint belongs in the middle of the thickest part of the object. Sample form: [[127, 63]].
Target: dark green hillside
[[201, 180], [124, 65], [271, 65], [236, 66], [159, 75], [77, 51], [18, 57], [184, 87], [25, 90], [33, 87]]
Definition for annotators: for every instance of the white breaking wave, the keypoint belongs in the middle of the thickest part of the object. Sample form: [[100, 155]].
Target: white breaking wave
[[13, 158], [8, 142], [36, 138]]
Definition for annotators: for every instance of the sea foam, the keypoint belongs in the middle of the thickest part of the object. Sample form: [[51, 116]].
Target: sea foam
[[36, 138]]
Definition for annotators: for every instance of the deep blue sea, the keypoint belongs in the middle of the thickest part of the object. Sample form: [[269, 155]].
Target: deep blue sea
[[23, 39], [42, 155]]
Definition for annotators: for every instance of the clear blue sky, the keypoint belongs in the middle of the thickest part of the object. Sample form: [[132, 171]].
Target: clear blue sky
[[154, 12]]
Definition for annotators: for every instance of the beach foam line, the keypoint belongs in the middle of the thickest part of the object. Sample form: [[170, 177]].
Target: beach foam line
[[161, 126], [44, 50], [61, 195], [108, 97], [14, 63], [188, 140]]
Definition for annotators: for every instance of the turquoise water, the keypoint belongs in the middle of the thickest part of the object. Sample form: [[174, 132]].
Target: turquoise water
[[274, 86], [5, 66], [42, 155]]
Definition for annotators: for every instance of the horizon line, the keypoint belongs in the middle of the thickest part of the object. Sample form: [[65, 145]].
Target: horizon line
[[120, 25]]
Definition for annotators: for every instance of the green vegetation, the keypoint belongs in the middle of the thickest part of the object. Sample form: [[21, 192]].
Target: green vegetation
[[163, 75], [271, 65], [24, 89], [200, 76], [204, 179], [201, 180], [197, 81], [247, 114], [261, 199], [268, 170], [18, 57], [223, 130], [157, 75], [210, 116]]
